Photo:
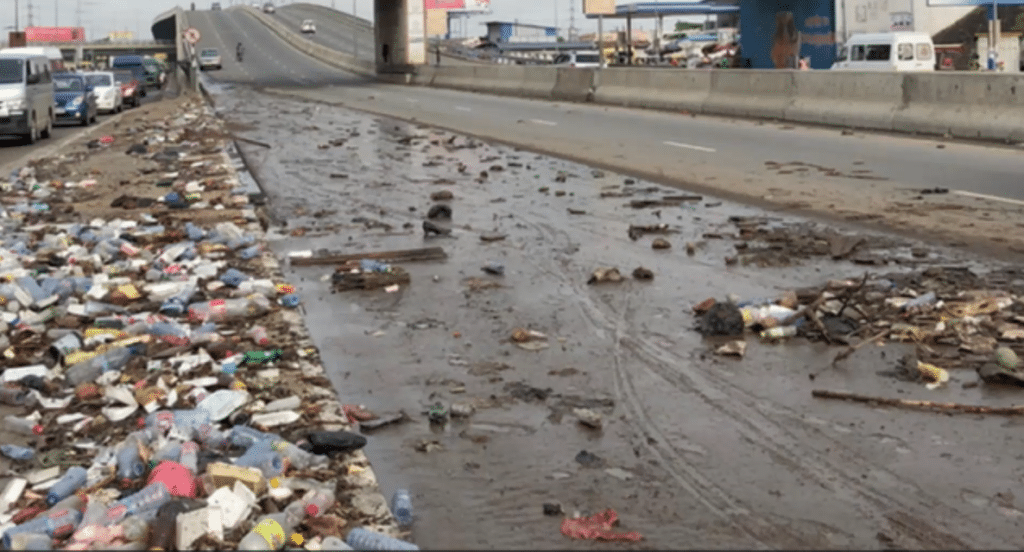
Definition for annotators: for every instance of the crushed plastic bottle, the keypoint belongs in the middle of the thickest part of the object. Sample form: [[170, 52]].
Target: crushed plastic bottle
[[72, 480], [14, 452], [401, 508], [364, 539], [224, 310], [57, 524]]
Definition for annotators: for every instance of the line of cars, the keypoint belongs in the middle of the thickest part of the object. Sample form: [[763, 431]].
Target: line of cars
[[38, 91]]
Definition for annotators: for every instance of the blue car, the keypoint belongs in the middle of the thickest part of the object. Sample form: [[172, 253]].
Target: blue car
[[73, 99]]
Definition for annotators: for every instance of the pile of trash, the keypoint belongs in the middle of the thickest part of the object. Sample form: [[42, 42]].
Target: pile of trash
[[956, 319], [152, 374]]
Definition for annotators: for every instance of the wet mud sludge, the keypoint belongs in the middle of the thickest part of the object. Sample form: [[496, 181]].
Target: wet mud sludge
[[551, 349]]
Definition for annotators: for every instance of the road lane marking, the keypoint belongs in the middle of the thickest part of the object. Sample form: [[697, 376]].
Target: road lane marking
[[989, 197], [543, 122], [690, 146], [412, 100], [460, 108]]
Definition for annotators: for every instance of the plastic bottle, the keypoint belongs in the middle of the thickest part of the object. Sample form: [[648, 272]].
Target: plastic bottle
[[364, 539], [250, 252], [223, 310], [72, 480], [259, 335], [401, 508], [233, 278], [261, 357], [261, 457], [57, 525], [13, 395], [66, 345], [129, 460], [30, 285], [170, 451], [195, 422], [89, 370], [334, 543], [152, 496], [314, 503], [269, 533], [290, 301], [779, 332], [245, 436], [370, 265], [768, 315], [194, 232], [22, 426], [176, 305], [189, 456], [920, 302], [31, 541], [14, 452]]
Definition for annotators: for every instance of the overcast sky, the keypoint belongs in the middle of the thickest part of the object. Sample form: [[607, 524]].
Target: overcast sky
[[100, 17]]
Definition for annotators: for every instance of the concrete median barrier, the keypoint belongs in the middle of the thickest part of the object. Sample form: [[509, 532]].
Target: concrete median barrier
[[669, 89], [964, 105], [750, 93], [573, 84], [845, 98], [537, 82]]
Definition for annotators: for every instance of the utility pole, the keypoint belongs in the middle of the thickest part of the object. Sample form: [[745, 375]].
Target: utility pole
[[30, 22], [572, 21], [56, 13], [16, 19]]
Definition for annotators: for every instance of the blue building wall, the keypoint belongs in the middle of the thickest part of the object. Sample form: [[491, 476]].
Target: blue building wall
[[768, 31]]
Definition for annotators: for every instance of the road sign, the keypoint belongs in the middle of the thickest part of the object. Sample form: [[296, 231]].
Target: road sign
[[192, 35]]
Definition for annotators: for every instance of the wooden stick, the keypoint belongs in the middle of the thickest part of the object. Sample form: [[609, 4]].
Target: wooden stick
[[850, 350], [405, 255], [253, 142], [920, 405]]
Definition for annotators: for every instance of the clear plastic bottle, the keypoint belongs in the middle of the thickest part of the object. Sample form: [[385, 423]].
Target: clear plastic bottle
[[183, 420], [176, 305], [89, 370], [779, 332], [314, 503], [259, 335], [190, 456], [14, 452], [170, 451], [224, 310], [194, 232], [401, 508], [72, 480], [233, 277], [261, 457], [364, 539], [22, 426], [250, 252], [150, 497], [245, 436], [129, 460], [57, 525]]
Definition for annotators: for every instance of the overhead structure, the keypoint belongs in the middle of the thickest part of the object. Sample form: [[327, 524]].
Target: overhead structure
[[400, 32], [657, 10]]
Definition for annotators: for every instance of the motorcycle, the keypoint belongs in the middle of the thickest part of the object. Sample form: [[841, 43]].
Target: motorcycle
[[238, 55]]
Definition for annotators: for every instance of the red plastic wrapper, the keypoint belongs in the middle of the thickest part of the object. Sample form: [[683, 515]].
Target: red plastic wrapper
[[597, 527]]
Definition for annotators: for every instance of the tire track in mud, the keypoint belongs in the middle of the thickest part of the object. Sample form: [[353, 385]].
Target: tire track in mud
[[753, 424]]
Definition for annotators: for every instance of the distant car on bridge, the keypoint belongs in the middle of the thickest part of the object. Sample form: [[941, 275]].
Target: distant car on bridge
[[215, 6], [308, 27], [268, 8], [208, 58]]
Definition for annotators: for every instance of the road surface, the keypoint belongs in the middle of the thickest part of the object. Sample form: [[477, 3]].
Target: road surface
[[334, 29], [723, 455]]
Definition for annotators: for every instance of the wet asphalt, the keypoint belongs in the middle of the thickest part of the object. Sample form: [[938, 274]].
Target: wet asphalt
[[697, 450]]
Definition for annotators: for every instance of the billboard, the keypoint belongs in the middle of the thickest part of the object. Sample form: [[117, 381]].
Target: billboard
[[599, 7], [474, 6], [120, 36], [444, 4], [54, 34]]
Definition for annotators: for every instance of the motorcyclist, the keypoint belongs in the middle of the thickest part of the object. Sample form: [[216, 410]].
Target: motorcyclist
[[238, 51]]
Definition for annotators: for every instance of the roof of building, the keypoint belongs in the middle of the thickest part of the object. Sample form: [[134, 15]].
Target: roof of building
[[514, 24], [655, 9]]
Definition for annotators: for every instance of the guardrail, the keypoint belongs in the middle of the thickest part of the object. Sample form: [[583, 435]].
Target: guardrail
[[338, 59], [963, 105]]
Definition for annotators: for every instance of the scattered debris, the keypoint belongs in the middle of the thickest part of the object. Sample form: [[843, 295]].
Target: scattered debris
[[641, 273], [597, 527], [661, 243], [605, 275], [735, 348]]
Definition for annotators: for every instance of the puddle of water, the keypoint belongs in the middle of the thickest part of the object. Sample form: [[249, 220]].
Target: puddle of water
[[715, 446]]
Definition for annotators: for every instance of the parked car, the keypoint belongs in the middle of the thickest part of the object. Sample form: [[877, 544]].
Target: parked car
[[130, 87], [583, 59], [268, 8], [26, 96], [73, 99], [108, 94], [154, 66], [209, 58], [308, 26], [149, 79], [215, 6]]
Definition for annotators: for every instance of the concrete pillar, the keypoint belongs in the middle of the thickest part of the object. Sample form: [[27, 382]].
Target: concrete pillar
[[400, 34]]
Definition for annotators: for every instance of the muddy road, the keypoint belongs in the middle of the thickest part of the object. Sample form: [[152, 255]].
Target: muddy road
[[696, 450]]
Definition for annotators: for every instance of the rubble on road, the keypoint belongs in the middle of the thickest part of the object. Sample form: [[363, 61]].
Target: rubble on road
[[955, 318], [159, 389]]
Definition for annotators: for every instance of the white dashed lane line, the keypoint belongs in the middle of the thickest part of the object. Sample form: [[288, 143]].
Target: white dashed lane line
[[988, 197], [543, 122], [689, 146]]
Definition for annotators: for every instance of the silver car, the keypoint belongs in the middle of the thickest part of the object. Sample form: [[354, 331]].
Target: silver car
[[209, 58]]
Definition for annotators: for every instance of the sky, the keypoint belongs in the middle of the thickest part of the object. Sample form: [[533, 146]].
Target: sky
[[100, 17]]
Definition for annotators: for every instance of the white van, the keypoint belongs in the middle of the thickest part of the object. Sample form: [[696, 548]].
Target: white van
[[585, 59], [902, 51], [53, 54], [26, 96]]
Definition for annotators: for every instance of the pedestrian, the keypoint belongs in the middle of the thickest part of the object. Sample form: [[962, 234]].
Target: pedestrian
[[384, 53]]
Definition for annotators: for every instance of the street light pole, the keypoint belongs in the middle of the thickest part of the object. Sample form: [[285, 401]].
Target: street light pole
[[17, 21]]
